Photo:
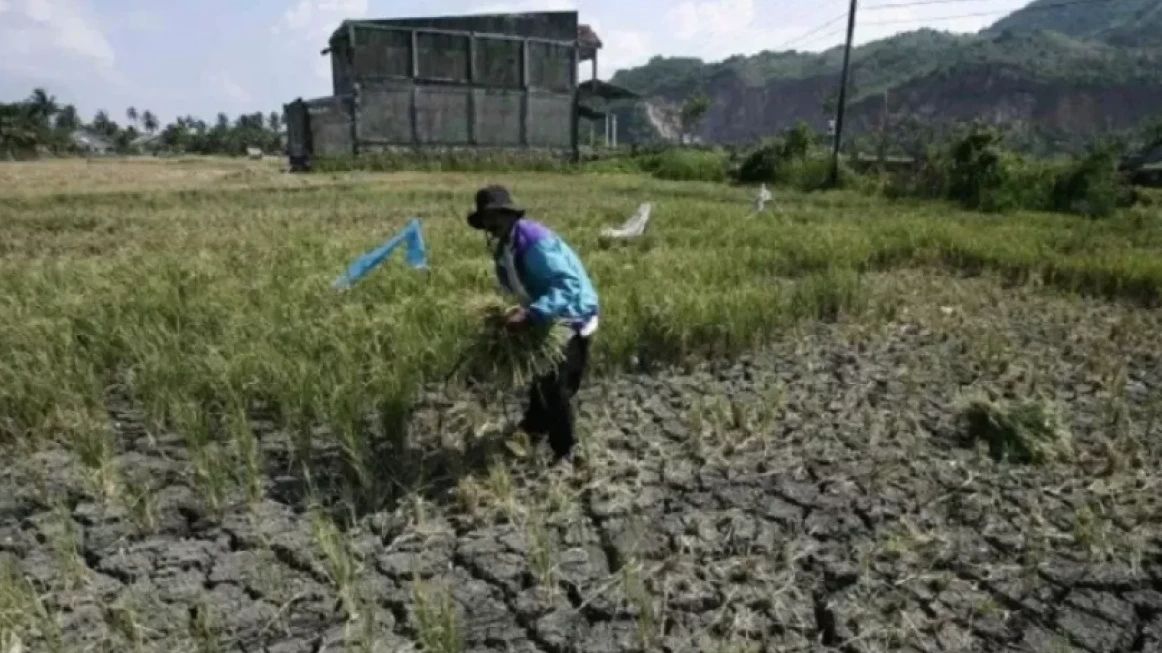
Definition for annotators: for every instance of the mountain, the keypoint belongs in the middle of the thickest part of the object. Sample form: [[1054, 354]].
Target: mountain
[[1063, 70], [1131, 23]]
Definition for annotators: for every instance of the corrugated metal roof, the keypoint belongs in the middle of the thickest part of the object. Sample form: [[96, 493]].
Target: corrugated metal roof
[[605, 90], [86, 138], [553, 25]]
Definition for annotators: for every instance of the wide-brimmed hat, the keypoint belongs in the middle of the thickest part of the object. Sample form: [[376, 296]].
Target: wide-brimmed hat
[[492, 199]]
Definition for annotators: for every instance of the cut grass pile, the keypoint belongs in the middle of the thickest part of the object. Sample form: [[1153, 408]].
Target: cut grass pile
[[1025, 432], [200, 300]]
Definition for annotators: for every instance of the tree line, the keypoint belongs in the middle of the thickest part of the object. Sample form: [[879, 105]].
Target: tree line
[[39, 125]]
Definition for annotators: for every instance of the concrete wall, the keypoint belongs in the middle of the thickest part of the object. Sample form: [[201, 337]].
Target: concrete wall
[[330, 126], [459, 86], [406, 114]]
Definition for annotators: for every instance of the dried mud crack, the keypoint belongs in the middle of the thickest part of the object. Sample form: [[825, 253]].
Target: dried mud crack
[[818, 495]]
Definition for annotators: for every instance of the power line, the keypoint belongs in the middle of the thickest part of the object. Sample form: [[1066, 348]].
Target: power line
[[814, 33], [919, 3], [807, 36], [985, 13], [792, 17], [916, 3], [788, 44], [826, 35]]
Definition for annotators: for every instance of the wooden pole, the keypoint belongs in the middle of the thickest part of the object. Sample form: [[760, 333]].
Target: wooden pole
[[839, 110]]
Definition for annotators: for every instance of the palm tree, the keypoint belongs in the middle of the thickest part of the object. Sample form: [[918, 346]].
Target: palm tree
[[42, 105], [101, 122], [67, 119], [131, 114], [16, 131], [149, 121]]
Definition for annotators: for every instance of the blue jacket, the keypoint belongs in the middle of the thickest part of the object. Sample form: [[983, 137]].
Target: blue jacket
[[546, 276]]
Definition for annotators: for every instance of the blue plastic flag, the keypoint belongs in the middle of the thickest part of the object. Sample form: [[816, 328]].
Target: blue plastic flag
[[416, 257]]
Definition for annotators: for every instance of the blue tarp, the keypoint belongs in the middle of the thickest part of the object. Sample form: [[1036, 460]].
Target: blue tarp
[[417, 256]]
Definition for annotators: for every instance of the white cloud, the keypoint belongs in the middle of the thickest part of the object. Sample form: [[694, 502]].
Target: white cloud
[[229, 87], [321, 66], [49, 38], [523, 6], [711, 18], [142, 20], [716, 29], [315, 20], [620, 49], [38, 10], [310, 23]]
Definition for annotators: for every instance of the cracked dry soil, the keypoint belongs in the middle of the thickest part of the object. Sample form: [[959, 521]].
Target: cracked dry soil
[[818, 495]]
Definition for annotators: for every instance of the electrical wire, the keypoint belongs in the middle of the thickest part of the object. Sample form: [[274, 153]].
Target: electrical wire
[[826, 35], [813, 34], [915, 3], [979, 14], [798, 39], [792, 17]]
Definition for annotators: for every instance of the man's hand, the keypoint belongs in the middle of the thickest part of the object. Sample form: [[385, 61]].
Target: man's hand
[[517, 318]]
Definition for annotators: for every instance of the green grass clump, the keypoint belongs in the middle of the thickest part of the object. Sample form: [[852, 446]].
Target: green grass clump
[[23, 615], [436, 622], [1024, 432], [687, 165], [622, 164], [827, 295]]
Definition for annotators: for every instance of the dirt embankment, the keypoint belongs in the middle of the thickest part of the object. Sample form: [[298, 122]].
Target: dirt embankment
[[817, 496]]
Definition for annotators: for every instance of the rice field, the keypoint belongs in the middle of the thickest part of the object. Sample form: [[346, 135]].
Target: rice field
[[186, 306], [216, 290]]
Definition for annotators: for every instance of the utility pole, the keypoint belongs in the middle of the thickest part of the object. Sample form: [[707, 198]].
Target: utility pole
[[839, 110], [882, 146]]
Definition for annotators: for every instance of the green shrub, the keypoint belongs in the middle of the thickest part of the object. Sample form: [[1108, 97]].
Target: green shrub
[[929, 180], [1091, 186], [1028, 184], [770, 160], [687, 165], [760, 165], [977, 173], [976, 170], [814, 173]]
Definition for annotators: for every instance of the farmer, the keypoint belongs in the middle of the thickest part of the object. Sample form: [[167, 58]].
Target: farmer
[[551, 284]]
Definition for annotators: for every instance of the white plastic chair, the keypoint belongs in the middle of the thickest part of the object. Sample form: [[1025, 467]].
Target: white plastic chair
[[634, 227]]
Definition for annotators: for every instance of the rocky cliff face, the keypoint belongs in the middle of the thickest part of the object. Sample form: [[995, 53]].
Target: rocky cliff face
[[1066, 72], [1007, 96], [998, 94]]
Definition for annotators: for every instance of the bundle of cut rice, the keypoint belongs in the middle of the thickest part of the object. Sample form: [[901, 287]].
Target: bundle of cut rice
[[512, 358]]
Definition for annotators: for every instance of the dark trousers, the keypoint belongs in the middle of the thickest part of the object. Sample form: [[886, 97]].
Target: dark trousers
[[550, 408]]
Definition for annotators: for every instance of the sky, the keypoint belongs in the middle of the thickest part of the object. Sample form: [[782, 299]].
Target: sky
[[185, 57]]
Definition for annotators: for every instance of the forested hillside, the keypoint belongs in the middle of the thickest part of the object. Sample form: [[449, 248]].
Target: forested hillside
[[1060, 72]]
